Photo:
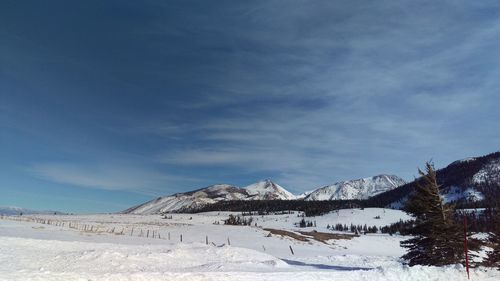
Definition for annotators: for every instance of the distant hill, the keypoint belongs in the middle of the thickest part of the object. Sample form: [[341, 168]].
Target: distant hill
[[470, 182], [15, 211]]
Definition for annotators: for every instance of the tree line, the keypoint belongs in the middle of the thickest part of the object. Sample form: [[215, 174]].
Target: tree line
[[267, 207]]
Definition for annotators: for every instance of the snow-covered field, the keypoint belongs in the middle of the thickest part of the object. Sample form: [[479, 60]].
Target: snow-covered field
[[131, 247]]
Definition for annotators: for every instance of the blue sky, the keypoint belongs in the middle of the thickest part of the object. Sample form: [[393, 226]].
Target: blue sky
[[106, 104]]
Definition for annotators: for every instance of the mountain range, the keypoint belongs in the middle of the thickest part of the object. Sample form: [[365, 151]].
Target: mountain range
[[467, 181], [266, 190]]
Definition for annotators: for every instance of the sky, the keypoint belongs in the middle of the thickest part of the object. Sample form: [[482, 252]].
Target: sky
[[108, 104]]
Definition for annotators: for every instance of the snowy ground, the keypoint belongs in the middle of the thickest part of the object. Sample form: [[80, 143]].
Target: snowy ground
[[121, 247]]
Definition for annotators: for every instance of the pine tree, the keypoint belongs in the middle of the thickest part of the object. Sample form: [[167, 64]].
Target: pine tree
[[437, 240]]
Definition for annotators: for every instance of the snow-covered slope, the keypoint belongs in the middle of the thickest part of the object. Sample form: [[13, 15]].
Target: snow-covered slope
[[356, 189], [268, 190], [263, 190], [488, 173], [455, 193]]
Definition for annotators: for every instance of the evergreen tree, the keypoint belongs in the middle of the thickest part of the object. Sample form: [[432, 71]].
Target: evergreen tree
[[438, 239]]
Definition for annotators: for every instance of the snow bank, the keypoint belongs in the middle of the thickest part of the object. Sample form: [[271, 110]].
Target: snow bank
[[33, 259]]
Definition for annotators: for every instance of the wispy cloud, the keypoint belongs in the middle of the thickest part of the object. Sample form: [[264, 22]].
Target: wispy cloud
[[392, 85], [307, 93], [109, 177]]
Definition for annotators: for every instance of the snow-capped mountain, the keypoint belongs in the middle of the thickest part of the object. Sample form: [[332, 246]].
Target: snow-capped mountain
[[356, 189], [262, 190], [268, 190]]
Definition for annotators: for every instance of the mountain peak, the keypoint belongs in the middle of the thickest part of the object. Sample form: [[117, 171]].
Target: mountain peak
[[268, 190]]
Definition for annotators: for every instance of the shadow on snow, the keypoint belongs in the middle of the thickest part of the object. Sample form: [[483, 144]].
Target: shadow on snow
[[325, 266]]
